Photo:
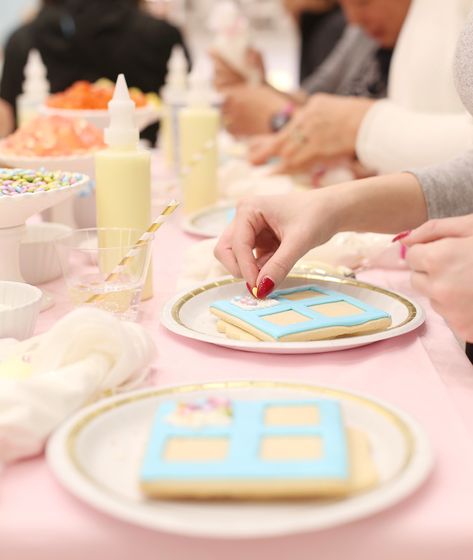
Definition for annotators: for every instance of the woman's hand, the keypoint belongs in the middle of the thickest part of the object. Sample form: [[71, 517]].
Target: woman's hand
[[323, 131], [440, 254], [226, 76], [270, 233], [247, 109], [6, 119]]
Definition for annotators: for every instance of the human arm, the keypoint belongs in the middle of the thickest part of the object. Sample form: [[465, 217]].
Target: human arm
[[281, 229], [448, 186], [392, 137], [423, 121]]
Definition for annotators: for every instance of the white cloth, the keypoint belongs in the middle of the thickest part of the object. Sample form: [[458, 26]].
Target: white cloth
[[345, 252], [238, 178], [422, 121], [84, 356]]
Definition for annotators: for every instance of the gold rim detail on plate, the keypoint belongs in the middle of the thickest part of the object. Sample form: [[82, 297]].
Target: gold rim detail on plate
[[411, 310], [75, 431]]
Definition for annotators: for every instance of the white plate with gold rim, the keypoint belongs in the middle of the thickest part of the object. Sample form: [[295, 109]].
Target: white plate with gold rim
[[97, 455], [188, 315]]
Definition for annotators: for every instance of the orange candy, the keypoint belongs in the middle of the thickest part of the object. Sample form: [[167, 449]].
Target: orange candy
[[47, 136], [84, 95]]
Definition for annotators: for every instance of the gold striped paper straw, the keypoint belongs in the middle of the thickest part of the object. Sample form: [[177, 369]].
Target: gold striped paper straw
[[145, 238]]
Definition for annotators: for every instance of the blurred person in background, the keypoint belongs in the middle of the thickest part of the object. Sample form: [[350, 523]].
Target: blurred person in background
[[321, 24], [89, 40], [422, 121], [358, 65]]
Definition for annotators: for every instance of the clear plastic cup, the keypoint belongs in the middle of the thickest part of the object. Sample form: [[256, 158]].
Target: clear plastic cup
[[105, 268]]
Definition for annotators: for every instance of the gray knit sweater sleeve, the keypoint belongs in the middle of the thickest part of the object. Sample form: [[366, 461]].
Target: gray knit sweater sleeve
[[448, 187]]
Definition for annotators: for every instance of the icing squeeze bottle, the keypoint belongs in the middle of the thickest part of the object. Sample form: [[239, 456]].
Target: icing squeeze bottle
[[35, 88], [173, 95], [123, 175], [232, 38], [198, 129]]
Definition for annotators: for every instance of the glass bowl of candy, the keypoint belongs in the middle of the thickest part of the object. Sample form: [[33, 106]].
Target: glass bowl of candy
[[53, 142], [24, 192], [56, 142]]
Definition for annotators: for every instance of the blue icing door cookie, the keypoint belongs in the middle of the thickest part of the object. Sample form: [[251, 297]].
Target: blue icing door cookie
[[253, 427], [306, 308]]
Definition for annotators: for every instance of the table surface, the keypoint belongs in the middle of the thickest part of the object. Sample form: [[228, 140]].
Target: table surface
[[425, 373]]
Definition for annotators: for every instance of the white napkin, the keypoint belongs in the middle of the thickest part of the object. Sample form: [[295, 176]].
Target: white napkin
[[86, 355], [238, 178], [344, 253]]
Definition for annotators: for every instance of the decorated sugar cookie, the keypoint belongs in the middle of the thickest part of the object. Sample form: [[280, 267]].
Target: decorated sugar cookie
[[303, 313], [254, 449]]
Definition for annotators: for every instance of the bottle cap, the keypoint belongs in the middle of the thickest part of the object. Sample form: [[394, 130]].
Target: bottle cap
[[199, 94], [122, 131], [175, 85], [35, 82]]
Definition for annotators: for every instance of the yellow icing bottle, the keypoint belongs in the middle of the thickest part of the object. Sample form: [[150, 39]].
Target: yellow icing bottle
[[198, 129], [123, 174]]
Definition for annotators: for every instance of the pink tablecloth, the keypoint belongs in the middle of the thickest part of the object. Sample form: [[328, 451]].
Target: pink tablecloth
[[425, 373]]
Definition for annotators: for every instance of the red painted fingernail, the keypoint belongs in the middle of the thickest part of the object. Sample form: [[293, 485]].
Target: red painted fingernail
[[265, 287], [401, 235], [249, 288]]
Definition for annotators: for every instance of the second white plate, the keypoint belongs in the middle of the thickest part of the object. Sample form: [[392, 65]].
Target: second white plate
[[188, 315], [97, 456]]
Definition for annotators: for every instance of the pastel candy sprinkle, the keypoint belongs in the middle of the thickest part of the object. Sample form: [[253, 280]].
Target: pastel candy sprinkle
[[254, 291], [249, 302], [207, 412], [14, 182]]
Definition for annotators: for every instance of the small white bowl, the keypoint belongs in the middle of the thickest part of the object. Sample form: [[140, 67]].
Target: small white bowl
[[19, 308], [39, 261]]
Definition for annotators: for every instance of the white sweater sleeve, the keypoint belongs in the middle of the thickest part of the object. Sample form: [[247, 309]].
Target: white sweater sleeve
[[392, 138], [422, 121]]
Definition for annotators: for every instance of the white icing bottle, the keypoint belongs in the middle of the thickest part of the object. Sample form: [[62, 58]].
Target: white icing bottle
[[123, 174], [198, 129], [35, 88], [232, 38], [173, 95]]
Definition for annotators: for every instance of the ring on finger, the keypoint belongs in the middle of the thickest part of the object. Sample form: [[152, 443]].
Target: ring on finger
[[298, 136]]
